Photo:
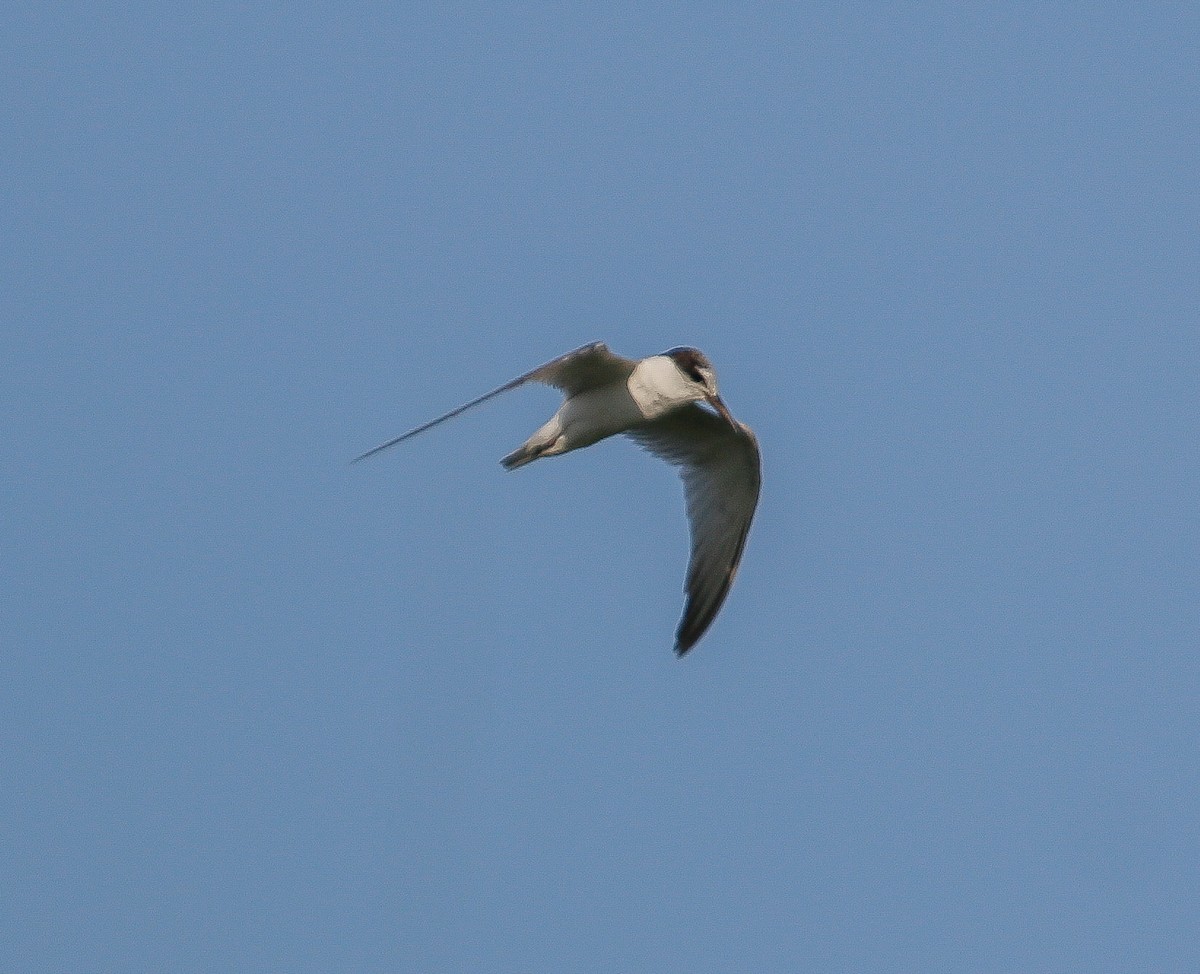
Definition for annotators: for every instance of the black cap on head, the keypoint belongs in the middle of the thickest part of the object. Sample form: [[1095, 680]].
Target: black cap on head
[[690, 361]]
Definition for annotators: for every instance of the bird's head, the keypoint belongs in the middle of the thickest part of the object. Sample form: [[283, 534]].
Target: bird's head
[[699, 377]]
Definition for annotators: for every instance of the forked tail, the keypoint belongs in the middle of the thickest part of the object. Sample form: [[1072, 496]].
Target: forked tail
[[526, 454], [541, 444], [521, 456]]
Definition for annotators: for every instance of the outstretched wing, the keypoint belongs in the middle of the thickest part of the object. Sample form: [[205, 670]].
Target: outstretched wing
[[585, 368], [722, 473]]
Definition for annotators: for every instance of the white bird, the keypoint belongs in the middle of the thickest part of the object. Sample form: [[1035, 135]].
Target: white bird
[[656, 402]]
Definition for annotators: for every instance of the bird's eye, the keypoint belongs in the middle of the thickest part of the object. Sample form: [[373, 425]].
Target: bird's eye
[[695, 375]]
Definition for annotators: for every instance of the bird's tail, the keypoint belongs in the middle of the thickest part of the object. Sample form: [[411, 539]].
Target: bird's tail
[[520, 456], [546, 442], [541, 444]]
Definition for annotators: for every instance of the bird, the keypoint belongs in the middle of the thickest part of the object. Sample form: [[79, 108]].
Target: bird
[[656, 401]]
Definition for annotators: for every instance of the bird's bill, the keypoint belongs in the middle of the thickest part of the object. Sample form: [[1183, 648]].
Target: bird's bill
[[720, 407]]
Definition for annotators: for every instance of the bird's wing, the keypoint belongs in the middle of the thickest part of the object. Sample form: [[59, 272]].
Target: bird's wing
[[585, 368], [722, 473]]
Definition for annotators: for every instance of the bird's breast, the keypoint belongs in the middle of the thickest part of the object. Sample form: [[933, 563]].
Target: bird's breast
[[656, 388], [599, 413]]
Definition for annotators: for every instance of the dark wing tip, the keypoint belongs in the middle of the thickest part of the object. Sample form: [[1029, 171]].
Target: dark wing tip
[[695, 623], [702, 608]]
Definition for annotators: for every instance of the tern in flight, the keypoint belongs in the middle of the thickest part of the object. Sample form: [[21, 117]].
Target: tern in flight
[[655, 401]]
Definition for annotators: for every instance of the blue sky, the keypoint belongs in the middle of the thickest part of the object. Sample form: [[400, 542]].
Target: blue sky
[[264, 711]]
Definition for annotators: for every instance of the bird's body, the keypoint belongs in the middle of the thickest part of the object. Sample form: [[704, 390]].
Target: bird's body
[[650, 390], [655, 401], [583, 419]]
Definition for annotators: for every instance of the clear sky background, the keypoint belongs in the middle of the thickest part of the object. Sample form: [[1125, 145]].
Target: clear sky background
[[264, 711]]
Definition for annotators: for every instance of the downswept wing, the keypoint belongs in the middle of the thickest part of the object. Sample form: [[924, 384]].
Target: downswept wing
[[587, 367], [722, 473]]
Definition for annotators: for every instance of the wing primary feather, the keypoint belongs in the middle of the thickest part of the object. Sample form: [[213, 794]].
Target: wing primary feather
[[532, 375], [695, 622], [722, 475], [441, 419]]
